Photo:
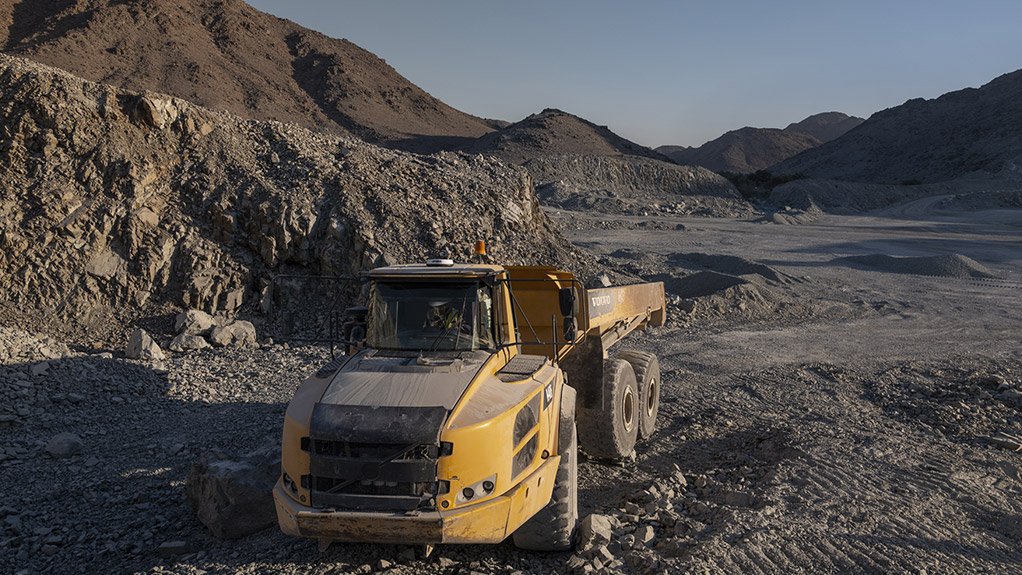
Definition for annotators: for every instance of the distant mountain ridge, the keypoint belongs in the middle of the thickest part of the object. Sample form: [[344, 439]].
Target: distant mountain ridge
[[746, 150], [961, 132], [227, 55], [825, 126], [554, 132], [749, 149]]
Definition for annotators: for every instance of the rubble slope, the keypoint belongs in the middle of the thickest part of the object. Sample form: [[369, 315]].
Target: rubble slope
[[633, 185], [112, 201]]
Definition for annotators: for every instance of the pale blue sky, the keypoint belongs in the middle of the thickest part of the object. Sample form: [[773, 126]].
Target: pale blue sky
[[678, 72]]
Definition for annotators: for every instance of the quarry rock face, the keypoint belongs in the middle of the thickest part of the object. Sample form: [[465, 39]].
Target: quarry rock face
[[129, 202]]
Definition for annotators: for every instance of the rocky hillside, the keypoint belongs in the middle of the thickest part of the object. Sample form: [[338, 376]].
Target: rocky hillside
[[971, 130], [223, 54], [745, 150], [114, 203], [581, 166], [632, 185], [556, 133], [750, 149], [825, 126]]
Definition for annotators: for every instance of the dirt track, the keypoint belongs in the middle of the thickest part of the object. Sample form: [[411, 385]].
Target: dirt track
[[844, 433]]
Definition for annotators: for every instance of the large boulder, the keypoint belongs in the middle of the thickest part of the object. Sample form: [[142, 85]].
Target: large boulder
[[142, 346], [64, 445], [236, 334], [188, 342], [595, 530], [193, 322], [234, 497]]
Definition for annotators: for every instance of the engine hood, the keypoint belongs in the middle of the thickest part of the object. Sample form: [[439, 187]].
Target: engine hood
[[373, 378]]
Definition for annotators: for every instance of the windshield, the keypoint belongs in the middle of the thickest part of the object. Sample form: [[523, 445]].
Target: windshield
[[430, 316]]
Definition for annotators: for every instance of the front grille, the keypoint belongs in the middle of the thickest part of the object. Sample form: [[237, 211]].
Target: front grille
[[403, 489], [370, 450], [360, 476], [373, 458]]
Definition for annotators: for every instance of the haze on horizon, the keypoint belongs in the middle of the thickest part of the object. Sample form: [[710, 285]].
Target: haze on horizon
[[678, 72]]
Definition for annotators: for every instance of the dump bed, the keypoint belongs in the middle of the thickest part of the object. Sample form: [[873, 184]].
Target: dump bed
[[603, 315], [613, 312]]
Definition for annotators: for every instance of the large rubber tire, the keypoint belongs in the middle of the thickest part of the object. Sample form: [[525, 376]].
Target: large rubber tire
[[647, 375], [553, 528], [609, 431]]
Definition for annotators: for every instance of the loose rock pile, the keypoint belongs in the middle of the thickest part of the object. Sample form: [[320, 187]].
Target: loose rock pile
[[960, 404], [702, 288], [19, 346], [197, 329], [653, 527], [947, 265]]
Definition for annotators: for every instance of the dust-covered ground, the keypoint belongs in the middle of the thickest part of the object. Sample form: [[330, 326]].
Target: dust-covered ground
[[825, 417]]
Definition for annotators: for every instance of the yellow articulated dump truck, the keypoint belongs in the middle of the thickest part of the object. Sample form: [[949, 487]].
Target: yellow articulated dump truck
[[457, 414]]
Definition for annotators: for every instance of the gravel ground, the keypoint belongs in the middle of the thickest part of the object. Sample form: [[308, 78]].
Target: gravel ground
[[855, 422]]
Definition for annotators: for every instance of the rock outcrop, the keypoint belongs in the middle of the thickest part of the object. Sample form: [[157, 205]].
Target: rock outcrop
[[238, 333]]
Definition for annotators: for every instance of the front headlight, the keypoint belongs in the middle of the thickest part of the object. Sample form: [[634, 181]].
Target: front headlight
[[476, 490]]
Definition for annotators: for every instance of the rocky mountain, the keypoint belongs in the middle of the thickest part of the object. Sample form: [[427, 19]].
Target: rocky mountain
[[825, 126], [117, 205], [556, 133], [223, 54], [967, 131], [747, 149]]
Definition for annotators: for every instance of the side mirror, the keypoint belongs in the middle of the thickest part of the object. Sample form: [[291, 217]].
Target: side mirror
[[570, 329], [568, 301], [353, 328], [569, 305]]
